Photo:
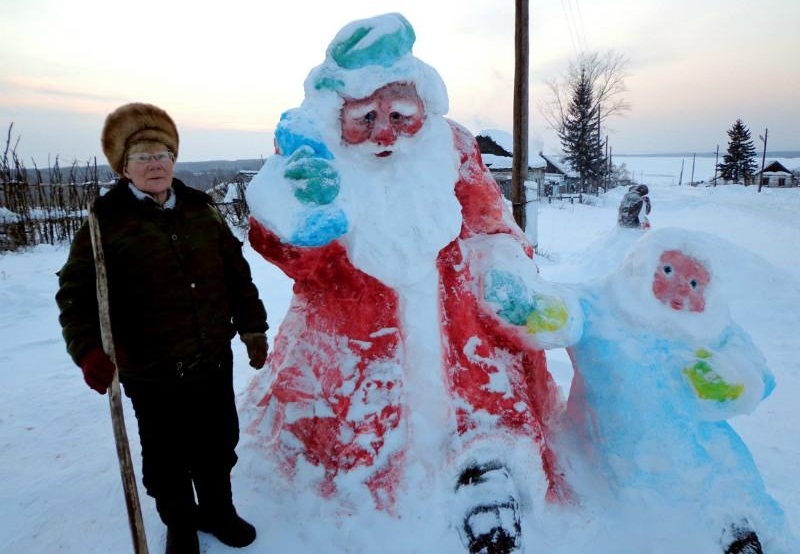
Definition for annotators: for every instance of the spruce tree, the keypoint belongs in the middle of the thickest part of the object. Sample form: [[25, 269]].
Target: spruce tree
[[580, 135], [739, 164]]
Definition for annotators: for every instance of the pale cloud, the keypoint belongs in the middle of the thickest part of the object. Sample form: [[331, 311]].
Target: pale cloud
[[237, 65], [27, 92]]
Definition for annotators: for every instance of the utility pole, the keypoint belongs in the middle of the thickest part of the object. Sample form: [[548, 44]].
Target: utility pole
[[692, 181], [599, 142], [519, 168], [680, 178], [763, 158], [607, 172], [716, 164]]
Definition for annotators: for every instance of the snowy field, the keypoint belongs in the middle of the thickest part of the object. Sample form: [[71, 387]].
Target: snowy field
[[60, 488], [681, 170]]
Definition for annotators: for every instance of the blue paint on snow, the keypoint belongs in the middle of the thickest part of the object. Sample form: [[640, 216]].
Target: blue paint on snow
[[362, 49], [320, 227], [510, 293], [294, 131]]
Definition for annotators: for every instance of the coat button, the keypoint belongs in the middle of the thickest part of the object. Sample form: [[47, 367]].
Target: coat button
[[174, 237]]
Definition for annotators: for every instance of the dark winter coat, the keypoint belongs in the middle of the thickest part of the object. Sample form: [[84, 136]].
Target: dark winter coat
[[631, 206], [179, 286]]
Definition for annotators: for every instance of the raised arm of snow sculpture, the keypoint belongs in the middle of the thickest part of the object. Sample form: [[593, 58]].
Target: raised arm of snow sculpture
[[659, 366], [387, 368], [303, 175], [547, 315]]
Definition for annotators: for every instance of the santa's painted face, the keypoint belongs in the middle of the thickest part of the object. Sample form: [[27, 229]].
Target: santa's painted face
[[393, 111], [679, 281]]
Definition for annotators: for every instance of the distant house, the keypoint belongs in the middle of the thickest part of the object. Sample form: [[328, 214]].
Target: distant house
[[495, 148], [559, 179], [488, 145], [775, 174]]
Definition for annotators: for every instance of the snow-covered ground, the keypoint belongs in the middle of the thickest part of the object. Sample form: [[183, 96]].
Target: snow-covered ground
[[60, 489]]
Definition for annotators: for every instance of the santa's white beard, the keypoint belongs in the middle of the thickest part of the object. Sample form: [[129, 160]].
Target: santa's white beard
[[402, 208]]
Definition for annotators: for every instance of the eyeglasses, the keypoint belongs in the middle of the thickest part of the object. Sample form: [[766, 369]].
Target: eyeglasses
[[144, 158]]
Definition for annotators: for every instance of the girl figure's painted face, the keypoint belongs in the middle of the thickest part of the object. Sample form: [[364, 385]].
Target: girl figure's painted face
[[392, 111], [680, 281]]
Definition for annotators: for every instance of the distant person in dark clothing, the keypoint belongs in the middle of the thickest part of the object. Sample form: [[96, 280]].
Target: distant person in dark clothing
[[631, 206]]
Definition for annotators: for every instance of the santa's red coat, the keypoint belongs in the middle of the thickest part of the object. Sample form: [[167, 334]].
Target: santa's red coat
[[335, 401]]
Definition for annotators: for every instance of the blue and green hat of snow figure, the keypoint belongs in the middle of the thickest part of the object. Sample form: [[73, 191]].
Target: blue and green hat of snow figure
[[370, 53], [378, 41]]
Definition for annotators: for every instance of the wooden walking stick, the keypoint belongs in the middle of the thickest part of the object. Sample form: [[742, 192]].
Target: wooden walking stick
[[114, 397]]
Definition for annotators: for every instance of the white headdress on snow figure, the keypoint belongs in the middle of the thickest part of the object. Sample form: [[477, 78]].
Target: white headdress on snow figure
[[633, 284]]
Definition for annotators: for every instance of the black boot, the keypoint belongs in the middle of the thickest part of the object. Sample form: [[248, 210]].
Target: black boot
[[176, 507], [228, 527], [182, 539], [215, 511]]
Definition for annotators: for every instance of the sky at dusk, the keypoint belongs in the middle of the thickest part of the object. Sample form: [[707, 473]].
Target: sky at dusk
[[225, 71]]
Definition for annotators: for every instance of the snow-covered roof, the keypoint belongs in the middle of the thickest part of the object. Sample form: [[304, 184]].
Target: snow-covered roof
[[494, 161], [506, 141], [501, 138], [774, 167], [556, 162]]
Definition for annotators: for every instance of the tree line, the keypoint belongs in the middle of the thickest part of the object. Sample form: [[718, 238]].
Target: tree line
[[588, 94], [48, 206]]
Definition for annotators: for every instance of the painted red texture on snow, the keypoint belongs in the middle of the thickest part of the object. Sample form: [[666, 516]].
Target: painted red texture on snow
[[343, 331], [477, 343], [340, 323], [680, 281]]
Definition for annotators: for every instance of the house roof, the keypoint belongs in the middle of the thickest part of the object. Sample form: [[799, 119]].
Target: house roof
[[558, 165], [496, 150], [775, 167], [506, 162]]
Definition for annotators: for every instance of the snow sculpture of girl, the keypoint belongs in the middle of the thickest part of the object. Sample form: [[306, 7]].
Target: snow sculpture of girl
[[659, 366]]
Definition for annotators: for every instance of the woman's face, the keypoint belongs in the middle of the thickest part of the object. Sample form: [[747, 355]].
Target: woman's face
[[149, 166]]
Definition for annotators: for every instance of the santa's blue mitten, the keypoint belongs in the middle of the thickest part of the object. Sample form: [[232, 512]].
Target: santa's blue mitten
[[320, 226]]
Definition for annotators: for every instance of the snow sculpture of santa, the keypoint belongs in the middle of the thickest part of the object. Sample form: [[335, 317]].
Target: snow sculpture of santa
[[659, 368], [388, 373]]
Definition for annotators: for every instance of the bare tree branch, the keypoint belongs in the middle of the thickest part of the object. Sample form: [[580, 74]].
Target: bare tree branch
[[606, 72]]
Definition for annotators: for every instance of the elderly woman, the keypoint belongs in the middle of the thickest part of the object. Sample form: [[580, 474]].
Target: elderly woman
[[179, 290]]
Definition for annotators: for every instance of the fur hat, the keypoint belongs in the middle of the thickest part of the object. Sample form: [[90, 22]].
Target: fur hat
[[134, 123]]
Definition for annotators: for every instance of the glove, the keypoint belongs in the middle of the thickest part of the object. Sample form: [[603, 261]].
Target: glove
[[98, 370], [315, 180], [257, 348], [316, 185]]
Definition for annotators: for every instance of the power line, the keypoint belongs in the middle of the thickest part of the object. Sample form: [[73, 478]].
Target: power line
[[570, 26], [581, 26]]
